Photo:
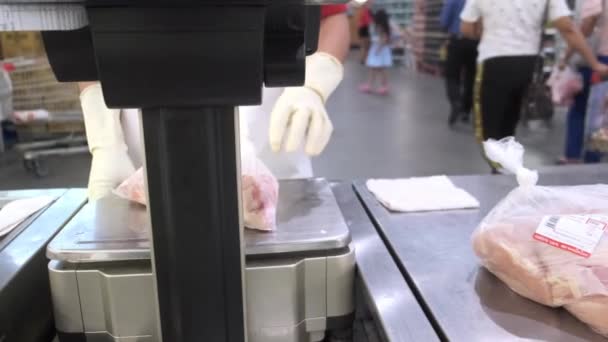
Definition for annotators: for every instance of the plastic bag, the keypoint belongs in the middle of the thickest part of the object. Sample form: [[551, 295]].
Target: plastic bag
[[133, 188], [527, 240], [260, 190], [565, 85]]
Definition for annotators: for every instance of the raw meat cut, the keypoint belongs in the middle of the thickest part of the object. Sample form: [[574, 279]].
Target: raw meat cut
[[593, 311], [133, 188], [563, 270], [260, 192], [259, 201]]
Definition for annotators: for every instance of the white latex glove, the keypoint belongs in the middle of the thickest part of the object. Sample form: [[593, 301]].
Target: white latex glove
[[111, 164], [299, 114]]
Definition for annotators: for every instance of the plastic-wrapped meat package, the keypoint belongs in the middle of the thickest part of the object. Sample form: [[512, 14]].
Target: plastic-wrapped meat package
[[260, 191], [565, 85], [549, 244], [133, 188]]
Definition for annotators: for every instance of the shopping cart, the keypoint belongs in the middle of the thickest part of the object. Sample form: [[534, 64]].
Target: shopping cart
[[61, 132]]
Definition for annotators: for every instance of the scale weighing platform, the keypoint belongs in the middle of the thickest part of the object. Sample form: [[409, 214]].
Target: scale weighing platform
[[299, 278]]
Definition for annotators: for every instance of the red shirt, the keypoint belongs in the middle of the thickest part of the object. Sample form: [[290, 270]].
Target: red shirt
[[365, 17], [329, 10]]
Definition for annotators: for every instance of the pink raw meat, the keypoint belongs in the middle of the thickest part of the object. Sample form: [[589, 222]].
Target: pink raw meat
[[260, 196], [133, 188], [504, 242]]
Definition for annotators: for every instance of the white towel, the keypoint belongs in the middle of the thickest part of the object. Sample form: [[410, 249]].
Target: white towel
[[421, 194], [17, 211]]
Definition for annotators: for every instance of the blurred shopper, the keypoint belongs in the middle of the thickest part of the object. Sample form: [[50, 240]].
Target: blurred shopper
[[510, 40], [594, 24], [460, 64], [380, 57], [364, 21], [407, 36]]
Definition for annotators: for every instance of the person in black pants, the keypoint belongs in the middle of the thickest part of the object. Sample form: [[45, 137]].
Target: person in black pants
[[460, 77], [501, 84], [510, 34], [460, 64]]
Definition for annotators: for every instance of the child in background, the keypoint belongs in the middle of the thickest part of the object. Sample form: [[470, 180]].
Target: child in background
[[380, 57]]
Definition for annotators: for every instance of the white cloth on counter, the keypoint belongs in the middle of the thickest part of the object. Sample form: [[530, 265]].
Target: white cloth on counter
[[17, 211], [421, 194]]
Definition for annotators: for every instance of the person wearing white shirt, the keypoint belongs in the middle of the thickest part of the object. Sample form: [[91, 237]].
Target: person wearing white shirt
[[510, 37]]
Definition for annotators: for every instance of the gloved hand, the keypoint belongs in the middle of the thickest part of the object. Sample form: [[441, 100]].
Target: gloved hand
[[299, 113], [111, 164]]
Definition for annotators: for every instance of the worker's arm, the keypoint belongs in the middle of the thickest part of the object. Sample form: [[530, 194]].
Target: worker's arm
[[576, 41], [334, 36], [299, 115], [84, 85], [587, 27], [471, 30], [470, 20]]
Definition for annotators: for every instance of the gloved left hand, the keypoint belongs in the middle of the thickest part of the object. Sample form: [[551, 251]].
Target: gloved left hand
[[299, 113], [110, 163]]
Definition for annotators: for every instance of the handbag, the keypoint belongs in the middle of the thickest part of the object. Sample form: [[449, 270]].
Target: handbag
[[537, 103]]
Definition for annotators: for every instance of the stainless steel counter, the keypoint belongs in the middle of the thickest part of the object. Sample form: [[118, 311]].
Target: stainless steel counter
[[397, 314], [394, 307], [466, 302], [25, 302]]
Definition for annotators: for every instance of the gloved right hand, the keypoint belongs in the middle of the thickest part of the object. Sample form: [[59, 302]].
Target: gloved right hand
[[111, 164], [299, 115]]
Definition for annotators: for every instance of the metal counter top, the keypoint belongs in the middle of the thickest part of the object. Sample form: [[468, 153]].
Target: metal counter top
[[25, 298], [12, 195], [114, 229], [465, 301], [393, 305], [17, 247]]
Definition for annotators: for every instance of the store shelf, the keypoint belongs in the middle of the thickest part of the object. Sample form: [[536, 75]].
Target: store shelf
[[400, 11], [428, 35]]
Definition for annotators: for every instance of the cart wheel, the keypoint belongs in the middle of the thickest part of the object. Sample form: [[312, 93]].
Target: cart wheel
[[28, 165], [40, 168]]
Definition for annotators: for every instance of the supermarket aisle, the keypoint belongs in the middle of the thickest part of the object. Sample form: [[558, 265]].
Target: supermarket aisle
[[404, 134]]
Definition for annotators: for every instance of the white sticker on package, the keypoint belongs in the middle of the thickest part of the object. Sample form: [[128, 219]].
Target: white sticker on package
[[578, 234]]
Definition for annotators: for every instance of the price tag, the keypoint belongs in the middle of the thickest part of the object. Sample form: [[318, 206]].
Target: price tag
[[578, 234]]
